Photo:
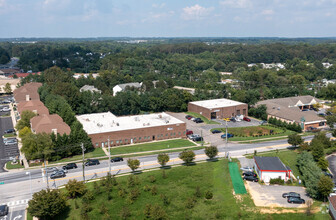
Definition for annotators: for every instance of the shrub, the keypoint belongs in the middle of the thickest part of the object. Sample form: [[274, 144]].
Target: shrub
[[190, 203], [198, 192], [146, 188], [187, 156], [208, 195], [134, 194], [130, 181], [152, 179], [277, 181], [122, 192], [211, 151], [165, 199], [158, 213], [125, 213], [154, 190], [75, 188], [147, 211], [103, 209], [88, 197]]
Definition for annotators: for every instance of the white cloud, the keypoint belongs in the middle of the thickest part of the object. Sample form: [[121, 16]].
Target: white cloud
[[236, 3], [267, 12], [196, 12]]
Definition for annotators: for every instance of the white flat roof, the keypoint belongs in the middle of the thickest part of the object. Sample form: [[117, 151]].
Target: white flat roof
[[108, 122], [216, 103]]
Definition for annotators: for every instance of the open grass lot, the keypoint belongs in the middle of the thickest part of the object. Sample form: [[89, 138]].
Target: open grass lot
[[169, 144], [10, 166], [9, 135], [206, 121], [255, 132], [179, 187], [288, 157], [97, 152]]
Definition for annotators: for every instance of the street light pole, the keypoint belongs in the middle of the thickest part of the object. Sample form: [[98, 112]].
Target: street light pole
[[109, 151], [31, 191], [83, 149], [46, 171]]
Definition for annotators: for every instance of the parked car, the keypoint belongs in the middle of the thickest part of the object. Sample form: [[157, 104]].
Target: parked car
[[198, 139], [198, 120], [263, 122], [8, 131], [328, 174], [188, 117], [233, 119], [248, 173], [52, 169], [247, 169], [193, 119], [226, 119], [5, 101], [189, 132], [291, 194], [216, 131], [5, 109], [57, 174], [246, 119], [9, 138], [70, 166], [117, 159], [295, 200], [91, 162], [10, 142], [228, 135], [3, 210], [192, 136], [251, 178]]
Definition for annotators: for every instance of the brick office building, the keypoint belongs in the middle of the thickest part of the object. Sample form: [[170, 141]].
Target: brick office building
[[102, 127], [218, 108]]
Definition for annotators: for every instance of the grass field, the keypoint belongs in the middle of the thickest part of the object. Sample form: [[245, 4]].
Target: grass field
[[179, 187], [9, 135], [10, 166], [97, 152], [169, 144], [255, 132], [206, 121], [288, 157]]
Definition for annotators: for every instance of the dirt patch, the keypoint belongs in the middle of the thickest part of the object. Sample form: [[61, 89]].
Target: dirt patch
[[279, 211]]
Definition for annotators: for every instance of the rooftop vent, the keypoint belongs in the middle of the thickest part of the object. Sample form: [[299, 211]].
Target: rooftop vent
[[117, 124], [160, 116], [278, 108]]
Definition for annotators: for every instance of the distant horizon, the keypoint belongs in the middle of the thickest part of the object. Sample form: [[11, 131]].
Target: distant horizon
[[165, 37]]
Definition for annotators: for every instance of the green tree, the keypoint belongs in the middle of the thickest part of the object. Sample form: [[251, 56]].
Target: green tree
[[8, 88], [47, 204], [331, 120], [211, 151], [163, 159], [24, 131], [75, 188], [295, 139], [325, 186], [323, 163], [188, 156], [37, 146], [133, 164], [25, 119]]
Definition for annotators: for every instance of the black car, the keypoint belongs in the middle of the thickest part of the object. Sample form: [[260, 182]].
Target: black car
[[295, 200], [233, 119], [248, 173], [117, 159], [328, 174], [57, 174], [198, 120], [251, 178], [5, 101], [70, 166], [8, 131], [198, 139], [91, 162], [291, 194], [216, 131], [3, 210]]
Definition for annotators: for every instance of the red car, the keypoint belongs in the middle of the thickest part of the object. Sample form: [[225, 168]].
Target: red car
[[246, 119], [189, 132], [188, 117]]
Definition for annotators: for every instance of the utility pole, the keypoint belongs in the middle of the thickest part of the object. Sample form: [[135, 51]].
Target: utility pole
[[45, 168], [109, 151], [83, 149], [226, 138]]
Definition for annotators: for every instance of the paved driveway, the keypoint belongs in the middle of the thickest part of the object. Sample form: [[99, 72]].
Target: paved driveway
[[332, 165], [271, 195]]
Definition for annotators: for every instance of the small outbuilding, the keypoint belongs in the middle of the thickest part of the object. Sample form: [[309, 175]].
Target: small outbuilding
[[218, 108], [332, 206], [271, 168]]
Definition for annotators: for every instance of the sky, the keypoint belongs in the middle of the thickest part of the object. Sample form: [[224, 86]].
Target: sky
[[167, 18]]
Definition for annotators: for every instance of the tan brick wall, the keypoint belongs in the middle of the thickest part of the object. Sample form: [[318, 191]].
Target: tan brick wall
[[225, 112], [139, 135]]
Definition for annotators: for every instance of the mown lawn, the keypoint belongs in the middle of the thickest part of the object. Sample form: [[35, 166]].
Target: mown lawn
[[179, 187], [288, 157], [206, 121], [169, 144], [9, 135], [255, 132], [10, 166], [97, 152]]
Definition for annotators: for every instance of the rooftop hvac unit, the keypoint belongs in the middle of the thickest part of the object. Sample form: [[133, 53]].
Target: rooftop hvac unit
[[278, 108], [117, 124], [160, 116], [144, 124], [148, 124]]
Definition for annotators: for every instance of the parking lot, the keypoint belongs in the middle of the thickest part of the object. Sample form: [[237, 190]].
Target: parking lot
[[6, 151], [271, 196], [204, 129]]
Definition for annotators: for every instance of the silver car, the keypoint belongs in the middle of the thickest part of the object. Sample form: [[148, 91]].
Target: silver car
[[247, 169]]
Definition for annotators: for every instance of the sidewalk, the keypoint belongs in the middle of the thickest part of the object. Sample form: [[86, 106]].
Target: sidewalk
[[22, 156]]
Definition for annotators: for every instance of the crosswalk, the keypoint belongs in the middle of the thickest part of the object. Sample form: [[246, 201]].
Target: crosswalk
[[16, 203]]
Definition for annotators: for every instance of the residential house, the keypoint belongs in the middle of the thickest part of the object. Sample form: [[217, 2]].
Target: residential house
[[123, 87], [269, 168], [27, 92], [49, 124], [35, 106], [89, 88]]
